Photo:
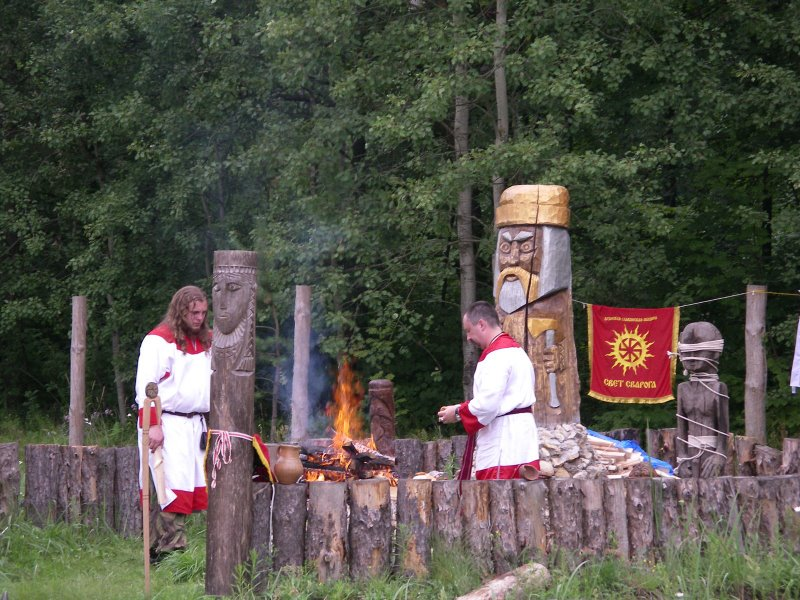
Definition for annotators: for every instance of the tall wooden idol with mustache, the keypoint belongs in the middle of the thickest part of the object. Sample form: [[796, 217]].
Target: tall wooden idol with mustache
[[533, 293]]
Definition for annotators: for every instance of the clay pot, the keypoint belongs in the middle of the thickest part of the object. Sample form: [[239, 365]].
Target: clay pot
[[288, 468]]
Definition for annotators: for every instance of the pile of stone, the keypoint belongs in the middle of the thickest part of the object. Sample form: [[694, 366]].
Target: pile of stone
[[565, 451]]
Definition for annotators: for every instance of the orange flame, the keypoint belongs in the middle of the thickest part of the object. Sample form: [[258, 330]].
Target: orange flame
[[347, 396]]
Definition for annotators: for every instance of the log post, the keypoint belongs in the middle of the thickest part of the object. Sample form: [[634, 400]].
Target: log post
[[230, 500], [755, 380], [747, 492], [444, 456], [459, 445], [790, 463], [768, 460], [661, 444], [430, 456], [302, 341], [77, 372], [408, 457], [106, 472], [370, 528], [640, 516], [714, 502], [127, 508], [745, 464], [90, 496], [68, 505], [289, 525], [42, 463], [669, 527], [502, 514], [381, 415], [688, 500], [414, 520], [326, 533], [532, 509], [594, 518], [614, 495], [770, 508], [9, 481], [261, 536], [566, 515], [447, 527], [476, 522]]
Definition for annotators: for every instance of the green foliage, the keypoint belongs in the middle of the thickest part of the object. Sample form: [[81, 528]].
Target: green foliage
[[138, 138]]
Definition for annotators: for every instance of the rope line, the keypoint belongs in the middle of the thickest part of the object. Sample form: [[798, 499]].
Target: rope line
[[766, 292], [221, 454]]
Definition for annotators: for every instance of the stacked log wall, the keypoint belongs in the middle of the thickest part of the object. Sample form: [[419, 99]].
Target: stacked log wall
[[349, 529]]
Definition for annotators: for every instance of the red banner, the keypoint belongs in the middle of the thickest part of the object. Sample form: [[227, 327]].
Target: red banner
[[628, 353]]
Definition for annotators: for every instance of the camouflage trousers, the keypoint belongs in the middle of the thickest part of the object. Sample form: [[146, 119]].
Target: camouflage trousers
[[167, 529]]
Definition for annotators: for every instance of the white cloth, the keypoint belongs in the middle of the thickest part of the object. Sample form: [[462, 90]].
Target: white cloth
[[504, 381], [184, 385], [794, 380]]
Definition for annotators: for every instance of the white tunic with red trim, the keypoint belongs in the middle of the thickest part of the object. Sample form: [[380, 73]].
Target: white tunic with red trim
[[184, 386], [503, 382]]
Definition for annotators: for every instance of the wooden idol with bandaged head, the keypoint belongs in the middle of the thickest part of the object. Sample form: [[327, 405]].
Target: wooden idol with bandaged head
[[533, 293]]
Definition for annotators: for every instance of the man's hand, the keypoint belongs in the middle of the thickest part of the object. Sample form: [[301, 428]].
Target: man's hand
[[155, 437], [447, 414], [553, 358]]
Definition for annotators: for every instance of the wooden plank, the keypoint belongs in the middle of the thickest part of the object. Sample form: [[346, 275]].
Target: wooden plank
[[326, 533], [414, 523]]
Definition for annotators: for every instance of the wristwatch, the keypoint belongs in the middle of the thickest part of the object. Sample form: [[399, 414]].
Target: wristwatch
[[458, 415]]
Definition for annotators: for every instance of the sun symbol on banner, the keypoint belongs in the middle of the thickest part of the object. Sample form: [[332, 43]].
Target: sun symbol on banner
[[630, 349]]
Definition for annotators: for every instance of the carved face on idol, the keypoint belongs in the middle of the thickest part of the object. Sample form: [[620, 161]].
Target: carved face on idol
[[519, 261], [231, 297]]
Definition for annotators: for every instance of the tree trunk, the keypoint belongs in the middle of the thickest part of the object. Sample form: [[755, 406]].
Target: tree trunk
[[640, 516], [466, 238], [302, 339], [616, 505], [500, 92], [127, 508], [755, 381], [594, 518], [790, 463], [106, 473], [42, 463], [77, 373], [68, 501], [444, 454], [90, 482], [261, 536], [408, 457]]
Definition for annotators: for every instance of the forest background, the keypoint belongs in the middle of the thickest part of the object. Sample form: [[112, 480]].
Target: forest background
[[358, 146]]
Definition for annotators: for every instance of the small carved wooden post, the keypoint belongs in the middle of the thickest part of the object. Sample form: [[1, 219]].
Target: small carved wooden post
[[230, 465], [381, 415]]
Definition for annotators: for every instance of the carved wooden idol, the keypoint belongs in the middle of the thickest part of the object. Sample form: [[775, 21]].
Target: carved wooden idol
[[533, 293], [381, 415], [230, 514], [703, 421]]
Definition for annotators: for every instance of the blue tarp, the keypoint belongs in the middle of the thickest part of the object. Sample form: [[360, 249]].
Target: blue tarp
[[631, 445]]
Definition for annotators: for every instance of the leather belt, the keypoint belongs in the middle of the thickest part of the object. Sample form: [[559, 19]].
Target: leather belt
[[182, 414]]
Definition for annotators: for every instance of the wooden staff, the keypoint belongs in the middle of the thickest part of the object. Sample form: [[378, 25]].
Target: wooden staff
[[151, 390]]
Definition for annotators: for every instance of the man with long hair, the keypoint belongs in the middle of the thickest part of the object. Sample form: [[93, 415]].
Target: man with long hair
[[499, 419], [177, 356]]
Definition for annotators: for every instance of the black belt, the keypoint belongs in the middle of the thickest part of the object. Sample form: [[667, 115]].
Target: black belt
[[187, 415]]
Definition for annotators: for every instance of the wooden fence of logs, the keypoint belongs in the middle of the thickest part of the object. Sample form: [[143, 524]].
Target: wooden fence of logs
[[365, 528]]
